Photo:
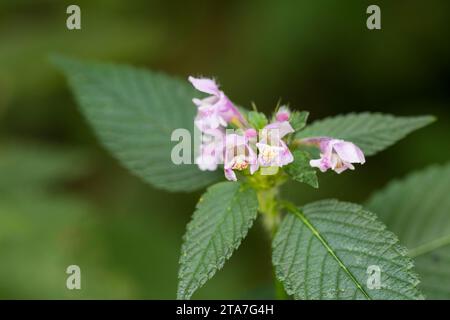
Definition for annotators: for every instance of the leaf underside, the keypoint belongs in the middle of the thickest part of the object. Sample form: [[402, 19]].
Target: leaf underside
[[222, 219], [417, 209], [134, 113], [372, 132], [323, 251]]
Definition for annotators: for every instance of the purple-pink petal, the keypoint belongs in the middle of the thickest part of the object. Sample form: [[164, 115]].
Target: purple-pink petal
[[336, 154], [283, 114], [205, 85], [283, 128], [230, 175], [349, 152]]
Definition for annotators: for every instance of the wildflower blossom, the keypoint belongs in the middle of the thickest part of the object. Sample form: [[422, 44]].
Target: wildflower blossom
[[273, 151], [337, 155], [239, 155], [216, 110]]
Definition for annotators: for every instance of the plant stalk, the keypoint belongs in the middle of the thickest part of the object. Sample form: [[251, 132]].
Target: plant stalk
[[269, 207]]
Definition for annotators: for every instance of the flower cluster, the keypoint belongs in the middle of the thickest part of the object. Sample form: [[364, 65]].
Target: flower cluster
[[229, 139]]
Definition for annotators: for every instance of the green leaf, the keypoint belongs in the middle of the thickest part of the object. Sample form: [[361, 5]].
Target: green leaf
[[298, 119], [372, 132], [257, 120], [134, 113], [222, 219], [324, 250], [300, 170], [417, 209]]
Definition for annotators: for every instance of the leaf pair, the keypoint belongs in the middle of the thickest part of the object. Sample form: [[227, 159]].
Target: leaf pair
[[322, 251]]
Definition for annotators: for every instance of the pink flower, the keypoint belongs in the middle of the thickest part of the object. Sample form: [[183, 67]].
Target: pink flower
[[337, 155], [216, 110], [273, 151], [281, 128], [283, 114], [211, 150], [239, 155]]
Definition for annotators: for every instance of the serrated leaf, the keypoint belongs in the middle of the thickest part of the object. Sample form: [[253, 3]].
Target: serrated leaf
[[417, 209], [222, 219], [134, 112], [324, 250], [257, 120], [300, 170], [372, 132], [298, 119]]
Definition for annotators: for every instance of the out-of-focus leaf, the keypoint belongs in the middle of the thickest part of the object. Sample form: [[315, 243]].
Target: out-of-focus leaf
[[417, 209], [40, 237]]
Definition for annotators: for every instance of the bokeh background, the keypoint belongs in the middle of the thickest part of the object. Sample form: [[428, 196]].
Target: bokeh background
[[64, 200]]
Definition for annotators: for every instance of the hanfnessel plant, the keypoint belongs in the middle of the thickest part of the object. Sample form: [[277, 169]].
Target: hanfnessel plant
[[323, 250]]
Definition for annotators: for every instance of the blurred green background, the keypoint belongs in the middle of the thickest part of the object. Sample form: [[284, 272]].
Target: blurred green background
[[64, 200]]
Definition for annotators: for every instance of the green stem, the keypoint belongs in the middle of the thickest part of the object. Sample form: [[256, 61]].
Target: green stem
[[268, 206]]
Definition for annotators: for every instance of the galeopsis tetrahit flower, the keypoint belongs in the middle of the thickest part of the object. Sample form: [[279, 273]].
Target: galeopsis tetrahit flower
[[216, 110], [273, 151], [239, 155], [337, 155], [213, 115]]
